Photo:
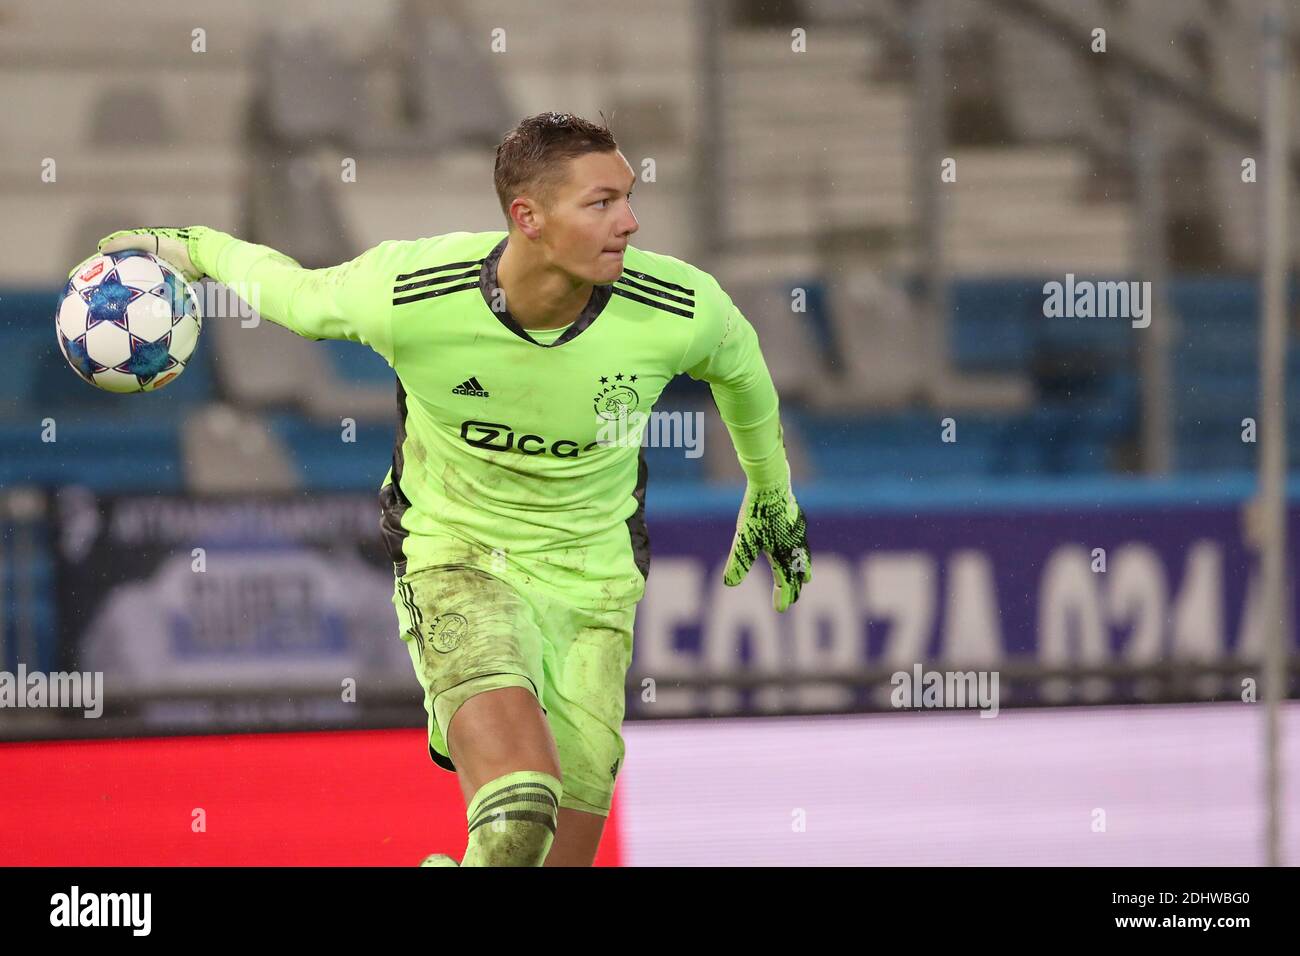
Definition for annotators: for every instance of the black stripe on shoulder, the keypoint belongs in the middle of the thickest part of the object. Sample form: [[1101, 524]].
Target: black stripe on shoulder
[[654, 303], [444, 290], [659, 282], [425, 283], [442, 268], [681, 300]]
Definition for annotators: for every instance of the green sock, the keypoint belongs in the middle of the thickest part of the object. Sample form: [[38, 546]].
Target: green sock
[[512, 820]]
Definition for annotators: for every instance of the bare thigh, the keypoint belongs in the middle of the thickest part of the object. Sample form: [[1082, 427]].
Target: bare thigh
[[499, 732]]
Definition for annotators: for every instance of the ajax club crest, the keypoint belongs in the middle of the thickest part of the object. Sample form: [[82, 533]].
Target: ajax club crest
[[446, 631], [617, 398]]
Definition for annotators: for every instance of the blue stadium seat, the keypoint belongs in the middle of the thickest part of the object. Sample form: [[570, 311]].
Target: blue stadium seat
[[356, 363], [104, 454], [326, 462], [993, 322]]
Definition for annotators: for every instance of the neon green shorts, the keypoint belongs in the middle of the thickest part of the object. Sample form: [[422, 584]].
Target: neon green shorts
[[469, 632]]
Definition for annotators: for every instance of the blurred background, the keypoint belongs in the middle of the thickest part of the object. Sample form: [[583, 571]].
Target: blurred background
[[887, 189]]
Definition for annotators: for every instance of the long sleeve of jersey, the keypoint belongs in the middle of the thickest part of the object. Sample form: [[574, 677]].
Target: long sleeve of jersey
[[726, 354], [348, 301]]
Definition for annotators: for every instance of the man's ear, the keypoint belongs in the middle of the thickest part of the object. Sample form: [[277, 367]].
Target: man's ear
[[526, 216]]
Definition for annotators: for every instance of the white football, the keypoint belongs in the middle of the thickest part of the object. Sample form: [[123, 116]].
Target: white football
[[127, 322]]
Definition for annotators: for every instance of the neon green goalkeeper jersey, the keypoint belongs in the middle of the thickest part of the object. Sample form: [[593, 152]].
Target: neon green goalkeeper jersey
[[513, 456]]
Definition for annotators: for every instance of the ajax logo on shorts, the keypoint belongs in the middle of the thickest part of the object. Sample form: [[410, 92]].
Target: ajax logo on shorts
[[447, 631]]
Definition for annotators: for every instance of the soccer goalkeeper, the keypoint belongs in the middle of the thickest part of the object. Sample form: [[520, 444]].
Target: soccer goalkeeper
[[516, 530]]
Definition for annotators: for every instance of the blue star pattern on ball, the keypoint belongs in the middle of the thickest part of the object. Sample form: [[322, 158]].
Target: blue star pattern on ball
[[148, 359], [107, 301], [79, 358]]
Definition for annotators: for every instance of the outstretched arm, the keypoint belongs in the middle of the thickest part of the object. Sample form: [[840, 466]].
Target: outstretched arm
[[349, 301]]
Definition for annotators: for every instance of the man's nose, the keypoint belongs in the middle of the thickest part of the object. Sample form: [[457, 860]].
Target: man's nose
[[629, 224]]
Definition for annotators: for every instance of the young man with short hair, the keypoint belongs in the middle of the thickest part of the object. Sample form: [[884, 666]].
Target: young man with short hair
[[515, 527]]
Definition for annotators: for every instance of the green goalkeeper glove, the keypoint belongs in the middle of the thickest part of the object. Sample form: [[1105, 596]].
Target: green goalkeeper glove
[[771, 522], [174, 245]]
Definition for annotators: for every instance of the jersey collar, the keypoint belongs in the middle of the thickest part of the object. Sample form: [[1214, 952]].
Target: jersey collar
[[487, 285]]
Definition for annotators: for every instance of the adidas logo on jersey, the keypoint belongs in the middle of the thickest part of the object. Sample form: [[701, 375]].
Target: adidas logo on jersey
[[470, 387]]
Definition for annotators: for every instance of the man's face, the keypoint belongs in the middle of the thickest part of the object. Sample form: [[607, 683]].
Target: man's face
[[590, 217]]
